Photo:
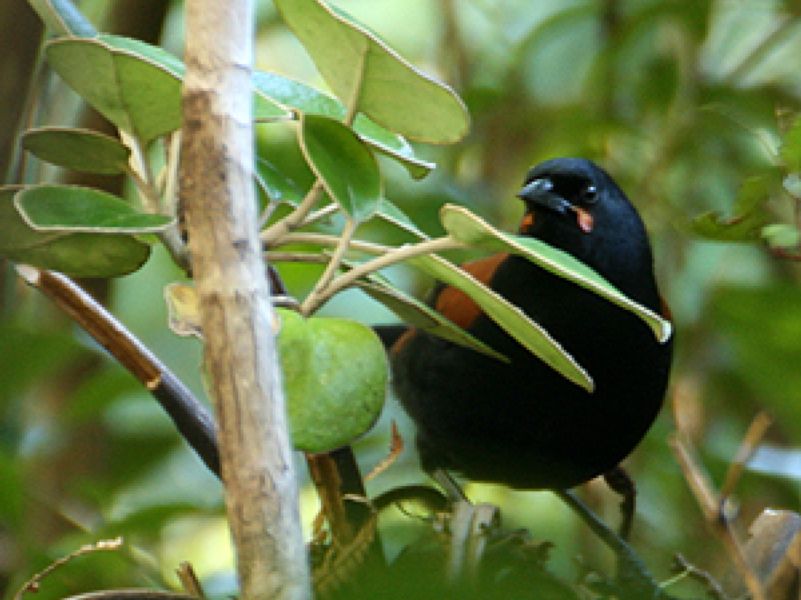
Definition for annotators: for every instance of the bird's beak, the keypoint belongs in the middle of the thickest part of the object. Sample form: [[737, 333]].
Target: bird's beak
[[539, 193]]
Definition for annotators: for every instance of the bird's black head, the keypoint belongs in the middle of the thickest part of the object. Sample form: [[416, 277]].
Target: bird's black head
[[574, 205]]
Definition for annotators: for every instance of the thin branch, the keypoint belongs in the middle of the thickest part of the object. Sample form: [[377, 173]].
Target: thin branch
[[751, 440], [318, 294], [171, 184], [322, 239], [390, 258], [276, 232], [189, 581], [353, 103], [721, 525], [193, 420], [321, 214], [140, 172], [296, 257], [690, 570], [34, 583]]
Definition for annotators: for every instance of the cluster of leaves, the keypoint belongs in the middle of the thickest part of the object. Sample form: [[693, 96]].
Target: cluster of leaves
[[752, 219]]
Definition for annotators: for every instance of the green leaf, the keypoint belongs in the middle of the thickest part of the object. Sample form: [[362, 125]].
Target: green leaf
[[511, 318], [390, 213], [343, 163], [136, 94], [755, 191], [275, 185], [335, 375], [749, 217], [471, 229], [364, 72], [76, 254], [79, 209], [392, 145], [790, 150], [782, 236], [313, 102], [418, 314], [714, 226], [154, 54], [263, 107], [298, 95], [78, 149]]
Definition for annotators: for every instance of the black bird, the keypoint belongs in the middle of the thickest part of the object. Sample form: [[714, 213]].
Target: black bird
[[521, 423]]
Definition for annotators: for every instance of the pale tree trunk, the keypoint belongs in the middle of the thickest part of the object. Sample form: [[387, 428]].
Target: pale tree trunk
[[219, 199]]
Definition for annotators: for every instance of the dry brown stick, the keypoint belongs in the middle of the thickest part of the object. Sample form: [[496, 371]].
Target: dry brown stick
[[326, 478], [712, 509], [690, 570], [189, 581], [33, 584], [756, 431]]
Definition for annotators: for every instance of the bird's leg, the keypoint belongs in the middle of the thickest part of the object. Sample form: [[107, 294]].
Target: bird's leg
[[468, 526], [446, 481], [620, 481]]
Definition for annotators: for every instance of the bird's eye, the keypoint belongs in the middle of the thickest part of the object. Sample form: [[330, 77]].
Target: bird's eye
[[589, 194]]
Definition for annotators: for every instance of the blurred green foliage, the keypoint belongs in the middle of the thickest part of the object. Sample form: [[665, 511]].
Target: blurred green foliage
[[682, 101]]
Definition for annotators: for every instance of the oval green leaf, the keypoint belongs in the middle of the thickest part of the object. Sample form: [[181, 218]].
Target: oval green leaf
[[78, 149], [313, 102], [749, 214], [790, 150], [715, 226], [466, 227], [513, 320], [388, 212], [364, 72], [419, 314], [275, 185], [76, 254], [52, 207], [137, 95], [343, 163], [781, 236], [335, 375], [263, 106]]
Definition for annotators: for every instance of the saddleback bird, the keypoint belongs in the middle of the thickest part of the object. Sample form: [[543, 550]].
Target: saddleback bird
[[521, 423]]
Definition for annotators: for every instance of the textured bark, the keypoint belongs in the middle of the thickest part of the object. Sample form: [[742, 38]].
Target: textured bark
[[221, 216]]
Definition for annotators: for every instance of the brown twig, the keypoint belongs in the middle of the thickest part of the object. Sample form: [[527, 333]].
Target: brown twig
[[189, 581], [325, 476], [711, 507], [192, 419], [32, 585], [750, 443], [395, 448], [690, 570]]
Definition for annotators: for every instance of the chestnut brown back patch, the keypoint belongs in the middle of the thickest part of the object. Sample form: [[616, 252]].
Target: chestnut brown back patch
[[455, 304]]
